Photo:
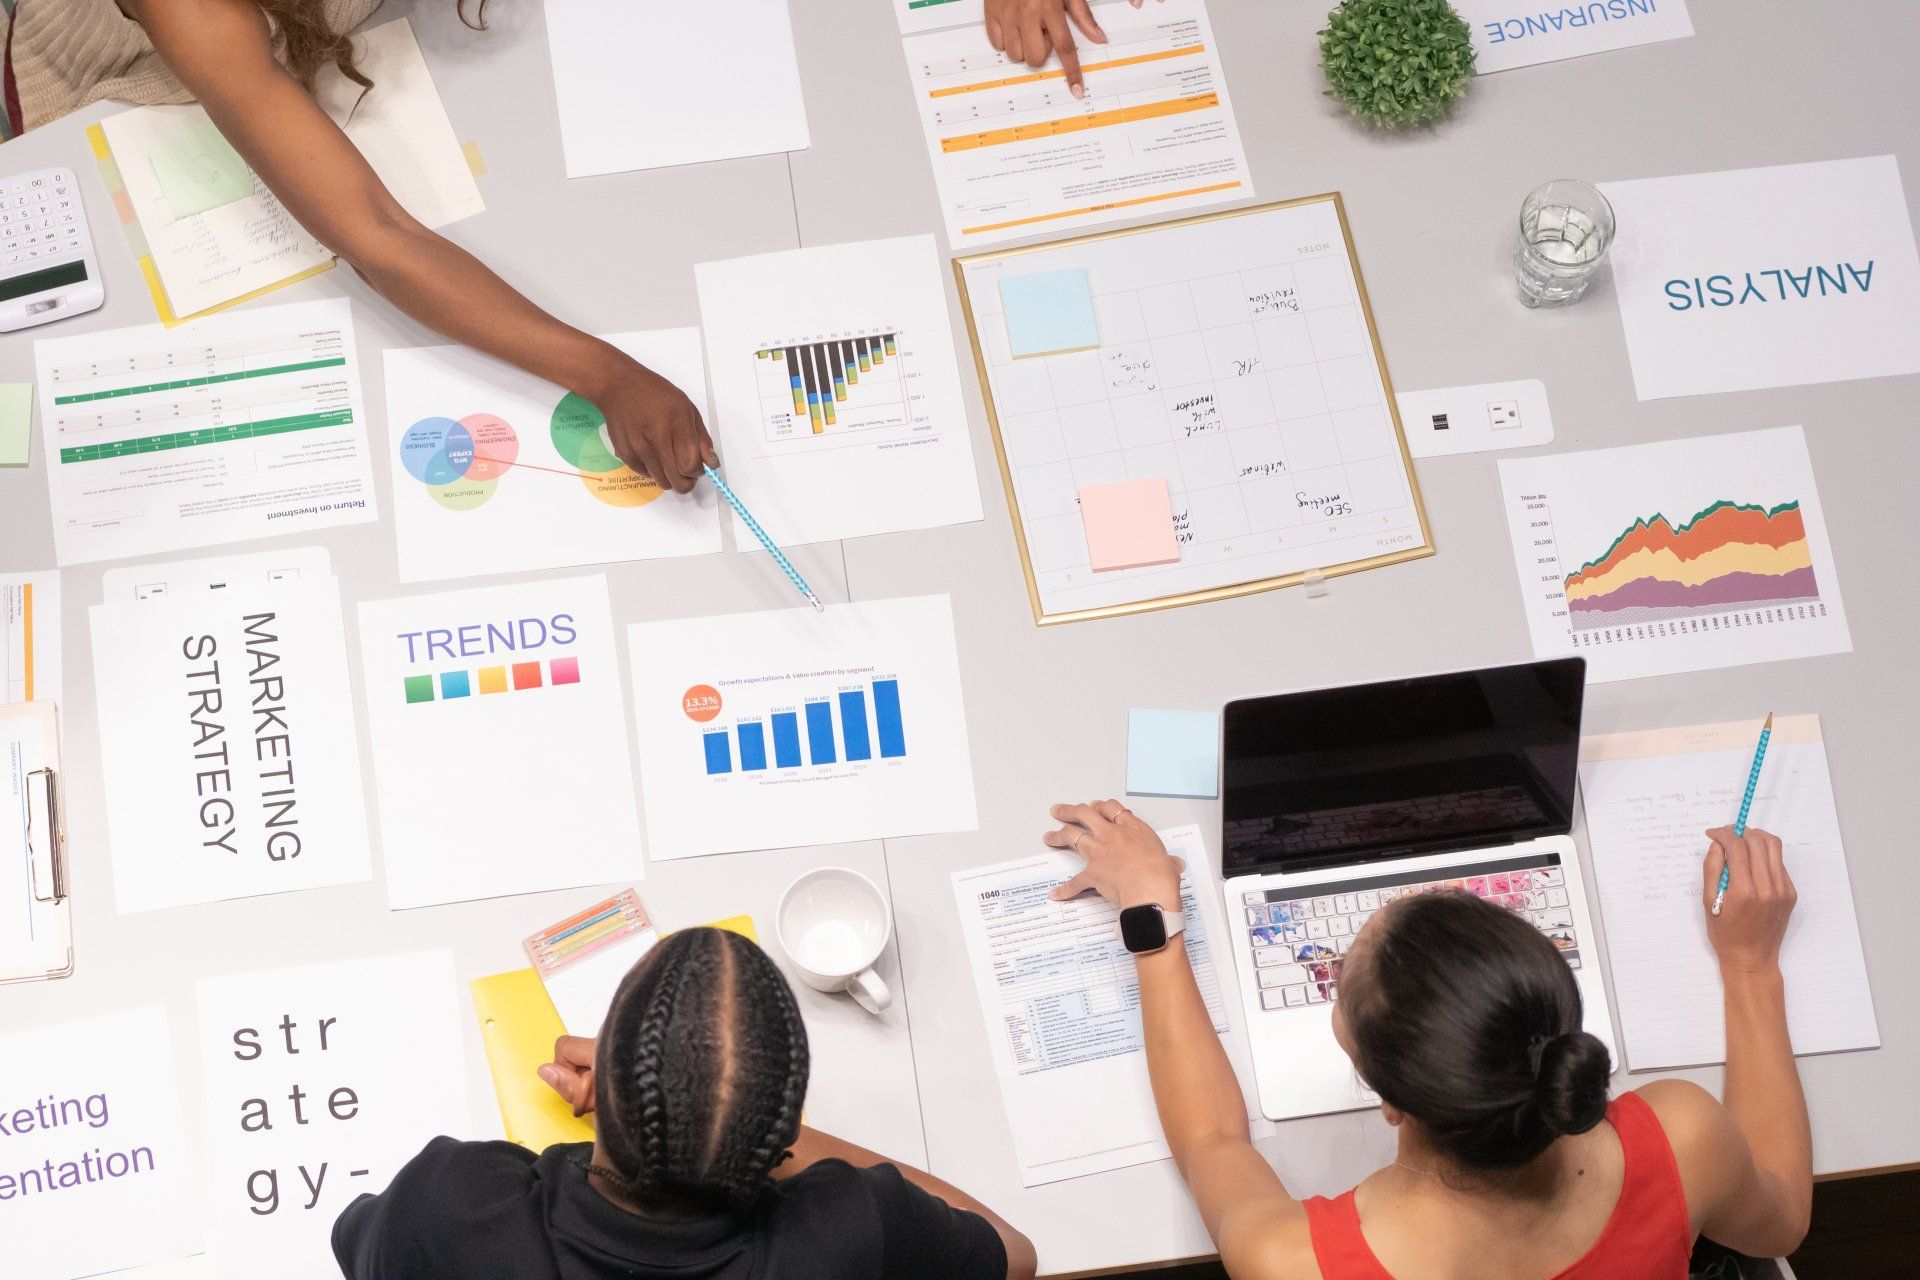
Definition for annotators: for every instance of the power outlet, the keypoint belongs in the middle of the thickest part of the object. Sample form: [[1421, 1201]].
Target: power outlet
[[1503, 415]]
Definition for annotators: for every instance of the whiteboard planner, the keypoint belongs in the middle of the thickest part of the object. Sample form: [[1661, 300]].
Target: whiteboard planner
[[1236, 361]]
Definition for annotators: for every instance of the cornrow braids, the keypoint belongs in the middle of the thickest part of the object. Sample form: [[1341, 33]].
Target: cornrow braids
[[701, 1074]]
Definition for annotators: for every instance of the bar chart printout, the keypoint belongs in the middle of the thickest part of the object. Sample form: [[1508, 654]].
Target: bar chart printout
[[837, 384], [836, 730], [770, 730]]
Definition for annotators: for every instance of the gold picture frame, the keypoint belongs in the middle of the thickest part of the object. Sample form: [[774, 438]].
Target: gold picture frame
[[1229, 590]]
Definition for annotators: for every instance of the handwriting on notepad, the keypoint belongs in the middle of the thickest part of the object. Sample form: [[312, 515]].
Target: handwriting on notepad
[[264, 233], [1665, 831]]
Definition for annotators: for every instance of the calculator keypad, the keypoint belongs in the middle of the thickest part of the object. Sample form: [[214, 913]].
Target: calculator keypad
[[40, 221]]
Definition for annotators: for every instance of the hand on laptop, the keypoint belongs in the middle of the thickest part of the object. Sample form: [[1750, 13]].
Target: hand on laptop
[[1746, 934], [1126, 863]]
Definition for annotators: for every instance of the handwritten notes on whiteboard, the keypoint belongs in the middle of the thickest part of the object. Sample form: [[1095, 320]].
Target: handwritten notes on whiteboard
[[1650, 798]]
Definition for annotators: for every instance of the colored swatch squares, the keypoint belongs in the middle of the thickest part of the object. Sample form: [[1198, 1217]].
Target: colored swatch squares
[[1049, 312], [419, 688], [1129, 525], [526, 675], [563, 671], [453, 684], [493, 679]]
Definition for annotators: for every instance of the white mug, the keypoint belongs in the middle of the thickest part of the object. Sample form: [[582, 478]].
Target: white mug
[[833, 924]]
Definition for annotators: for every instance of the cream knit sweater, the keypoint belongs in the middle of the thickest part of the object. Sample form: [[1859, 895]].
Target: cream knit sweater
[[68, 53]]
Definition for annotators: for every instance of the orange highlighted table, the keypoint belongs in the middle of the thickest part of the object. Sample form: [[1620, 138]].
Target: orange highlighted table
[[1077, 124]]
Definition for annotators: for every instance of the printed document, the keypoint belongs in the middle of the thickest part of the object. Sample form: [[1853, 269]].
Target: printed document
[[1777, 277], [1520, 33], [499, 740], [1062, 1007], [790, 727], [838, 407], [243, 426], [1015, 154], [230, 760]]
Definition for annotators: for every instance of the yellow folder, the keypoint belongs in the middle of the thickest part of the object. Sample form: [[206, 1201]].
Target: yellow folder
[[518, 1024]]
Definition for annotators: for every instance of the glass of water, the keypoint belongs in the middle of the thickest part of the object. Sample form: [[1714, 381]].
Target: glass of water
[[1565, 228]]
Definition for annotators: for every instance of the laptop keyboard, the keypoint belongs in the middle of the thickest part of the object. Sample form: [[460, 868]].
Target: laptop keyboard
[[1300, 936]]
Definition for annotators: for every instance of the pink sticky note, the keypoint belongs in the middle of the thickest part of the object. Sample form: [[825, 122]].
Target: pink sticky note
[[1129, 525]]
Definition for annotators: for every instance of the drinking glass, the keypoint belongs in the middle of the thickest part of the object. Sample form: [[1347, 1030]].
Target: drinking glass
[[1565, 228]]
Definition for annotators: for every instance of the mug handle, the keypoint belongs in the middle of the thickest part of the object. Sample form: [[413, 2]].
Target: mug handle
[[869, 992]]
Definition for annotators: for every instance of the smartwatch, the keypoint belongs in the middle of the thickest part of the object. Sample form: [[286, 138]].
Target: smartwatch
[[1148, 928]]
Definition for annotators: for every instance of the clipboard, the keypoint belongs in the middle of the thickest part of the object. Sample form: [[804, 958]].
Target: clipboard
[[36, 926]]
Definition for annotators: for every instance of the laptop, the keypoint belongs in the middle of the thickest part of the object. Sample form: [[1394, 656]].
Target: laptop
[[1335, 802]]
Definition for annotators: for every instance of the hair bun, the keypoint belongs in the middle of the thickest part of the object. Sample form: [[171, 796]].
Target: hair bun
[[1571, 1083]]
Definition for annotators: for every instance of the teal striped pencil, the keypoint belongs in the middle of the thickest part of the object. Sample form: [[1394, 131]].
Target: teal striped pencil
[[1746, 807], [779, 556]]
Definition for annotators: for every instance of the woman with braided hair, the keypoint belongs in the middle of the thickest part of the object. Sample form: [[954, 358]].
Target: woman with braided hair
[[700, 1170], [1512, 1162]]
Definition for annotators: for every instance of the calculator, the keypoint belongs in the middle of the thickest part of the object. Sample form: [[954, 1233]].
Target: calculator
[[47, 267]]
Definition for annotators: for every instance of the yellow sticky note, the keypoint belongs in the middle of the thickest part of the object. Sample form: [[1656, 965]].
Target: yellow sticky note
[[493, 679], [518, 1024]]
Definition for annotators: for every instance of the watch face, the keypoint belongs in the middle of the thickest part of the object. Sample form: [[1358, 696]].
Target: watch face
[[1142, 928]]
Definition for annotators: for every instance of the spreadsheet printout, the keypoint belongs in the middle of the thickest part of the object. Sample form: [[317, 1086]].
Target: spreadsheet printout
[[1062, 1008], [246, 425]]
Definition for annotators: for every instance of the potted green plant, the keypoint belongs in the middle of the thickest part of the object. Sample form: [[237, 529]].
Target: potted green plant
[[1396, 63]]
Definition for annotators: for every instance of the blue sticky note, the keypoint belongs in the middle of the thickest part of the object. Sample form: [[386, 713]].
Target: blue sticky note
[[1173, 753], [1049, 312]]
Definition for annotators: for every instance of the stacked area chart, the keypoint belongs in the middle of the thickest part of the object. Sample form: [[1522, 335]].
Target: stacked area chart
[[1678, 556], [1730, 554]]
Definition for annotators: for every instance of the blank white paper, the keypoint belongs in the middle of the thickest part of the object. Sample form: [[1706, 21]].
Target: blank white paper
[[1650, 797], [644, 84]]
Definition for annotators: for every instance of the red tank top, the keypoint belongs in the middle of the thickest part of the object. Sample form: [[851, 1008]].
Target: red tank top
[[1646, 1238]]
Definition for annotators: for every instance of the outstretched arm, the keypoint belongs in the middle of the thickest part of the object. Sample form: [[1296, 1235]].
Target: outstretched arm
[[221, 50], [1748, 1165], [1259, 1228]]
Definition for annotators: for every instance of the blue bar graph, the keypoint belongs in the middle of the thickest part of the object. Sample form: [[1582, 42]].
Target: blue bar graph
[[820, 733], [786, 740], [886, 719], [865, 733], [753, 746], [853, 724]]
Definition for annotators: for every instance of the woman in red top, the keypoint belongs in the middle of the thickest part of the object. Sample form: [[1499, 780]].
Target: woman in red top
[[1512, 1164]]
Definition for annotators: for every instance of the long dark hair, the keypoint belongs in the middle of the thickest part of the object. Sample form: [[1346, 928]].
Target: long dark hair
[[1463, 1015], [308, 43], [700, 1074]]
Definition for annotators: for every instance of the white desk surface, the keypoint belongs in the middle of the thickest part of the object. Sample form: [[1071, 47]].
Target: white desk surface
[[1764, 82]]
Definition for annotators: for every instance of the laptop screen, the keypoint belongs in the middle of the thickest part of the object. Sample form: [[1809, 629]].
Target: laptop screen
[[1427, 765]]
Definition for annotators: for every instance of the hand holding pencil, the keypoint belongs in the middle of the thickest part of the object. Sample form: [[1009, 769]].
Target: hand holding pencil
[[1748, 897], [1746, 807]]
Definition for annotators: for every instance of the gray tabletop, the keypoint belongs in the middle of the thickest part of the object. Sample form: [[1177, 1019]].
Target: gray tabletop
[[1764, 82]]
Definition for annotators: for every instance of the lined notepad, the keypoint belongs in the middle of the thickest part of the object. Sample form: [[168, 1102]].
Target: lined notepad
[[1650, 797]]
